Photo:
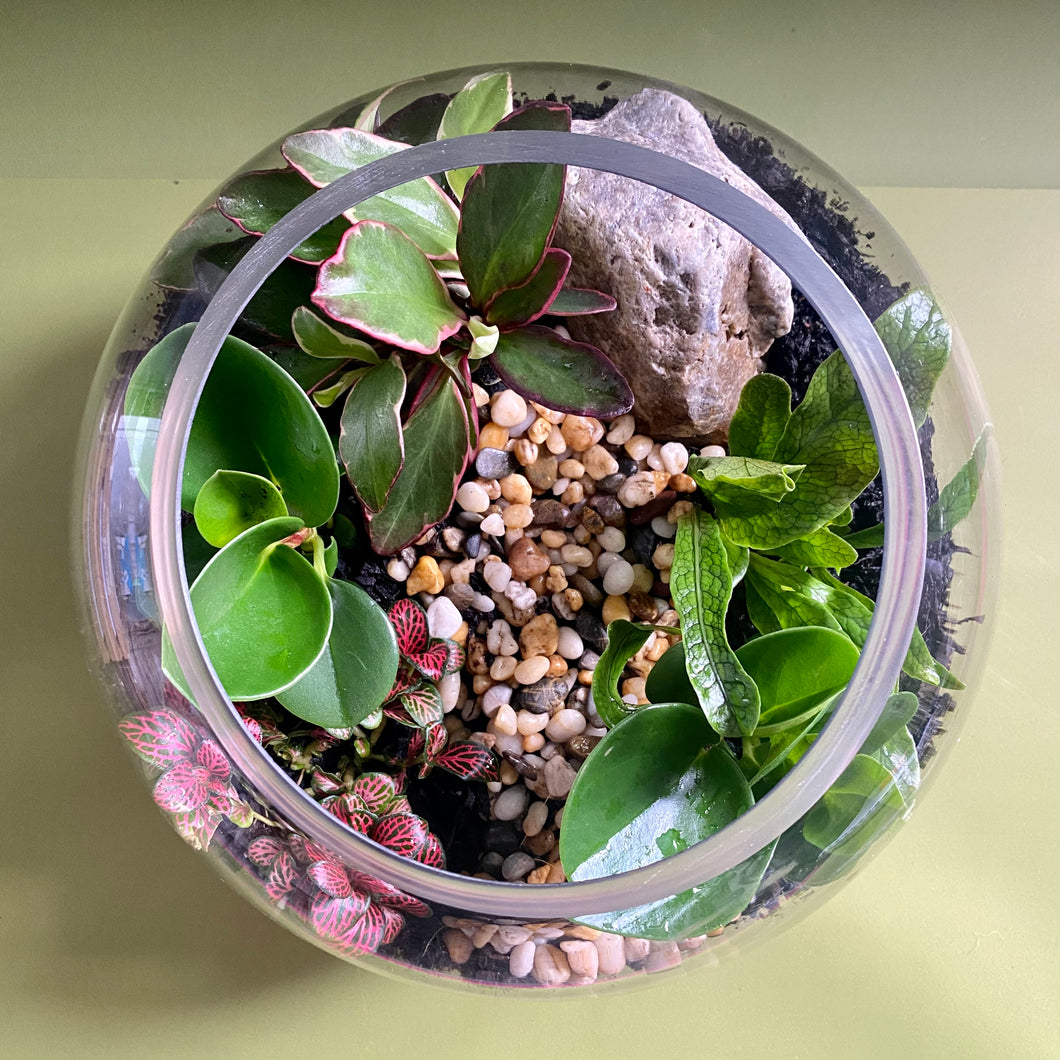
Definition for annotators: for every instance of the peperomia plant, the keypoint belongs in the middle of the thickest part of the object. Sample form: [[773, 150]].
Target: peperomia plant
[[773, 520]]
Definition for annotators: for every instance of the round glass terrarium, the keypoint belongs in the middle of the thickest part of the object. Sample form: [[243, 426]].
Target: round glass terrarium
[[595, 681]]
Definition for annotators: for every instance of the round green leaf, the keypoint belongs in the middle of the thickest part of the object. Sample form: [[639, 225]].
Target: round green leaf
[[357, 669], [796, 670], [233, 501], [263, 611], [652, 788]]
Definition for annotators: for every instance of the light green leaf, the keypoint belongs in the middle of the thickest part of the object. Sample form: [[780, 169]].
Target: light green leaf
[[761, 417], [420, 208], [357, 669], [624, 640], [381, 283], [819, 548], [735, 482], [897, 714], [701, 584], [233, 501], [476, 108], [320, 339]]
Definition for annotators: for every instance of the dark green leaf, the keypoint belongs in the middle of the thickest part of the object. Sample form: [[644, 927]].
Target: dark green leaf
[[380, 283], [256, 201], [233, 501], [356, 671], [197, 552], [417, 122], [651, 789], [476, 108], [624, 640], [331, 558], [522, 304], [174, 268], [897, 714], [436, 451], [263, 611], [509, 211], [761, 417], [320, 339], [580, 301], [560, 374], [371, 443], [796, 671], [701, 584], [310, 373]]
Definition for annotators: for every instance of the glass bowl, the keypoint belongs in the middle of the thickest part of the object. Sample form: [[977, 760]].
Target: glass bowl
[[341, 832]]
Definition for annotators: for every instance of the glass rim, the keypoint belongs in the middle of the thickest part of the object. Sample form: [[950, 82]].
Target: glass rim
[[905, 529]]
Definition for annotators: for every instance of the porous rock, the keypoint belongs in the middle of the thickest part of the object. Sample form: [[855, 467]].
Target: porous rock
[[698, 305]]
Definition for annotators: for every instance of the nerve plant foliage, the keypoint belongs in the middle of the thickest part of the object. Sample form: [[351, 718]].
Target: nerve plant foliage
[[390, 308]]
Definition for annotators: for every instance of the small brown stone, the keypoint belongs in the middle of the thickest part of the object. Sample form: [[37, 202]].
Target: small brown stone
[[540, 636], [579, 746], [526, 559], [609, 509], [539, 845], [593, 521], [643, 606], [425, 577], [659, 506], [549, 512], [542, 473], [477, 657], [458, 945], [538, 875]]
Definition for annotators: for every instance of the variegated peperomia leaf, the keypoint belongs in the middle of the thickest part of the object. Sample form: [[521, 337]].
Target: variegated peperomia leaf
[[580, 301], [419, 207], [319, 339], [530, 300], [476, 108], [380, 283]]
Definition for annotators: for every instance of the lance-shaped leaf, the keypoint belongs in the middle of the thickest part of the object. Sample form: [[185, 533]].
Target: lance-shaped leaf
[[233, 501], [353, 675], [320, 339], [528, 301], [561, 374], [624, 640], [380, 282], [653, 788], [371, 443], [819, 548], [256, 201], [263, 611], [252, 417], [701, 583], [509, 211], [419, 207], [476, 108], [417, 122], [436, 447], [580, 301], [761, 417]]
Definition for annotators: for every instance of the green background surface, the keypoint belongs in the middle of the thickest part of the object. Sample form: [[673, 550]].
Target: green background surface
[[116, 941]]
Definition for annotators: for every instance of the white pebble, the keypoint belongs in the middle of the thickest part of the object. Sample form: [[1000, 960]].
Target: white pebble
[[519, 429], [443, 618], [559, 776], [497, 575], [611, 539], [619, 578], [570, 645], [505, 720], [512, 744], [643, 579], [654, 458], [674, 457], [663, 527], [605, 560], [639, 446], [449, 689], [663, 557], [472, 497], [521, 960], [532, 669], [528, 723], [709, 451], [399, 570], [522, 596], [508, 409], [576, 554], [493, 524], [495, 697], [621, 430], [565, 723], [481, 602]]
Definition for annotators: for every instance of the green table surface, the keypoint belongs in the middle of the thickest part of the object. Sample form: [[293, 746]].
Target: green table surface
[[117, 942]]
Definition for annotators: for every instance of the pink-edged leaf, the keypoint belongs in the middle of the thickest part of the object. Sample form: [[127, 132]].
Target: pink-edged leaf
[[264, 850], [580, 301], [335, 918], [454, 658], [470, 408], [161, 737], [432, 853], [436, 737], [404, 833], [350, 810], [393, 923], [423, 492], [423, 704], [410, 624], [182, 788], [561, 374], [377, 791], [366, 935], [432, 660], [282, 878], [469, 761], [382, 284], [213, 760], [323, 783], [407, 678], [530, 300], [197, 827], [399, 714], [331, 878]]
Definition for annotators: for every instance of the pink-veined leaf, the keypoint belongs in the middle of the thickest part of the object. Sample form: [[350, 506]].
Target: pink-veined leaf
[[393, 922], [240, 813], [410, 624], [387, 894], [182, 788], [350, 810], [469, 761], [400, 805], [263, 722], [376, 791], [423, 704], [331, 878], [197, 827], [436, 737], [432, 660], [161, 737], [282, 878], [404, 833], [416, 745], [366, 934], [407, 678], [432, 853], [455, 656], [398, 713], [264, 850], [213, 760], [324, 783], [335, 918]]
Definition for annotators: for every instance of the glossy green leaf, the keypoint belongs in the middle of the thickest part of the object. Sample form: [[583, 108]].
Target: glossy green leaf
[[561, 374], [174, 268], [819, 548], [196, 551], [897, 714], [761, 417], [263, 611], [357, 669], [734, 481], [624, 640], [371, 443], [256, 201], [331, 558], [476, 108], [436, 448], [701, 584], [530, 300], [509, 211], [796, 671], [325, 396], [310, 373], [898, 756], [417, 122], [233, 501], [862, 804], [319, 339], [668, 680], [580, 301], [380, 283], [650, 789], [252, 417], [420, 208]]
